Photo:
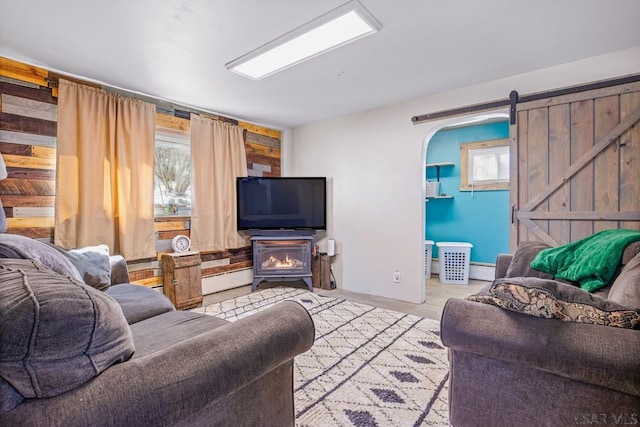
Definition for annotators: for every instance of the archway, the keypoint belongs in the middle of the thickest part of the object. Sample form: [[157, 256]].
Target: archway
[[457, 122]]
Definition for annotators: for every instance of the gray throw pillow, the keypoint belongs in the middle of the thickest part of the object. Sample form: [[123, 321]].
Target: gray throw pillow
[[9, 397], [92, 262], [630, 252], [521, 262], [62, 334], [16, 246], [626, 288]]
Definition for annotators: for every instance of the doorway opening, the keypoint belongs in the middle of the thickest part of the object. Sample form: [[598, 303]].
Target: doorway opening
[[455, 212]]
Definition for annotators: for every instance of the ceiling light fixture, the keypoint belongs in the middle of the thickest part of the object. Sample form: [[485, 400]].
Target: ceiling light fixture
[[340, 26]]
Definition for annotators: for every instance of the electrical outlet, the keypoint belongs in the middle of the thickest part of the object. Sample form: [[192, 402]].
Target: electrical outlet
[[396, 276]]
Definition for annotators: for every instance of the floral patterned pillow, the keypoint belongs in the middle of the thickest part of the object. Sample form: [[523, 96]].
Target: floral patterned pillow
[[554, 300]]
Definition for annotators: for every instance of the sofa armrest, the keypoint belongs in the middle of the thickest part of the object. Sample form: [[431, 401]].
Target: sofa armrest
[[502, 264], [601, 355], [172, 385], [119, 270]]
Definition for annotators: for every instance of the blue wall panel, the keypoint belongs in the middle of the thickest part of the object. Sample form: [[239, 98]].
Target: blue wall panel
[[479, 217]]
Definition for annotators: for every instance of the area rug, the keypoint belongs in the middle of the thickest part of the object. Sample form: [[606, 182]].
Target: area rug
[[367, 367]]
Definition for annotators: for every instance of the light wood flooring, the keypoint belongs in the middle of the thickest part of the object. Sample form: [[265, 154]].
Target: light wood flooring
[[437, 294]]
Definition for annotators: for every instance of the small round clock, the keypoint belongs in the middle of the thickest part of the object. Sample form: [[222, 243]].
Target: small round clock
[[180, 243]]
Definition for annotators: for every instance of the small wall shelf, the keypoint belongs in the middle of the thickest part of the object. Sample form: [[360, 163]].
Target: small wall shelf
[[439, 197], [438, 166]]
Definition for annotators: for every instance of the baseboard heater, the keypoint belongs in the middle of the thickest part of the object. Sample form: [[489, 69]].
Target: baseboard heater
[[477, 271], [227, 280]]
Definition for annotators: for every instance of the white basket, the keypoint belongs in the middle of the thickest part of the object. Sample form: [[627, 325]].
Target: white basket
[[432, 189], [428, 254], [453, 258]]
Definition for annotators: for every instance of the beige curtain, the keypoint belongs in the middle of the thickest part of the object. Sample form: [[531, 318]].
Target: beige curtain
[[217, 158], [104, 176]]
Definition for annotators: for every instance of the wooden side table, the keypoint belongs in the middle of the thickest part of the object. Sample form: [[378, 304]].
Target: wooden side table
[[182, 279], [321, 271]]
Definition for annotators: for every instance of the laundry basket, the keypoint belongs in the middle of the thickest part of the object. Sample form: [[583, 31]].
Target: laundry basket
[[453, 258], [428, 254], [432, 189]]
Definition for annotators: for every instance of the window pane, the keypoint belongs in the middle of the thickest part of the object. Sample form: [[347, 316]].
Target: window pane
[[489, 164], [503, 168], [485, 167], [172, 170]]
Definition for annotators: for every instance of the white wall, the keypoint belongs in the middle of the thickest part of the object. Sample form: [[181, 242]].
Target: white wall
[[374, 161]]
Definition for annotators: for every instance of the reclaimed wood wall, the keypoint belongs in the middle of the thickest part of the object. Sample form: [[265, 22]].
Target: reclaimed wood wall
[[28, 114], [28, 124]]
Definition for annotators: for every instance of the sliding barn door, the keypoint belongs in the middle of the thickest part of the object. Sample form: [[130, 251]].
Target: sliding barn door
[[575, 165]]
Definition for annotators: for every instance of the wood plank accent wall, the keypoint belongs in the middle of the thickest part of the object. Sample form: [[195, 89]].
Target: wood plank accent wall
[[28, 114], [28, 126]]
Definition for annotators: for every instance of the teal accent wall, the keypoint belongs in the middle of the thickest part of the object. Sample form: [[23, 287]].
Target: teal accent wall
[[479, 217]]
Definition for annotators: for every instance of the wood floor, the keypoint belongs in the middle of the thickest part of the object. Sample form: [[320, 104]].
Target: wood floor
[[437, 294]]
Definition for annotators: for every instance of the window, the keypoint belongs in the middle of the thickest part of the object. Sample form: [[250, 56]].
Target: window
[[485, 165], [172, 174]]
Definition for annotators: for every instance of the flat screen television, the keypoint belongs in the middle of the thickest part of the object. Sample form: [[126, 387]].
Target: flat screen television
[[281, 203]]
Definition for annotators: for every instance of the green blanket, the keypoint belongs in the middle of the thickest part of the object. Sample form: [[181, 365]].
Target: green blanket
[[591, 262]]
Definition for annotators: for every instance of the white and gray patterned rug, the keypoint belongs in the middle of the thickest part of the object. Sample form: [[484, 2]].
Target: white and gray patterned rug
[[367, 366]]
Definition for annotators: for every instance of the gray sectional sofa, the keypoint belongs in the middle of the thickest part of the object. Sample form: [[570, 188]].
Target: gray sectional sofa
[[75, 355], [533, 350]]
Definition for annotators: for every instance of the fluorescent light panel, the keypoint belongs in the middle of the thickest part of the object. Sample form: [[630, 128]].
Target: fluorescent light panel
[[336, 28]]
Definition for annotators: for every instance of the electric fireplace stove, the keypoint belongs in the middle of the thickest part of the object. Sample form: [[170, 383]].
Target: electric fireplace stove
[[282, 258]]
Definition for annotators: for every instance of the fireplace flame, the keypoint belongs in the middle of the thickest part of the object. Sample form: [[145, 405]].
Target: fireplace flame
[[286, 263]]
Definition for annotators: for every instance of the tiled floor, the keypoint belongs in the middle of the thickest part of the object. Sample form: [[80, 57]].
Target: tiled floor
[[437, 295]]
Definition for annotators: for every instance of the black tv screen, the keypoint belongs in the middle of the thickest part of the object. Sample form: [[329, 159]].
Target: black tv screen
[[281, 203]]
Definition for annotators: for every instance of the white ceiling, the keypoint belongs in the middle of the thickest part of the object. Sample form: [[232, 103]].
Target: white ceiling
[[176, 50]]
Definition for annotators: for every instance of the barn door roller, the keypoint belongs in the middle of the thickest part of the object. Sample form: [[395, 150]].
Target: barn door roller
[[513, 101]]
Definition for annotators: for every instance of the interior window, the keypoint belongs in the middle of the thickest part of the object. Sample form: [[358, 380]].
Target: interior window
[[485, 165]]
